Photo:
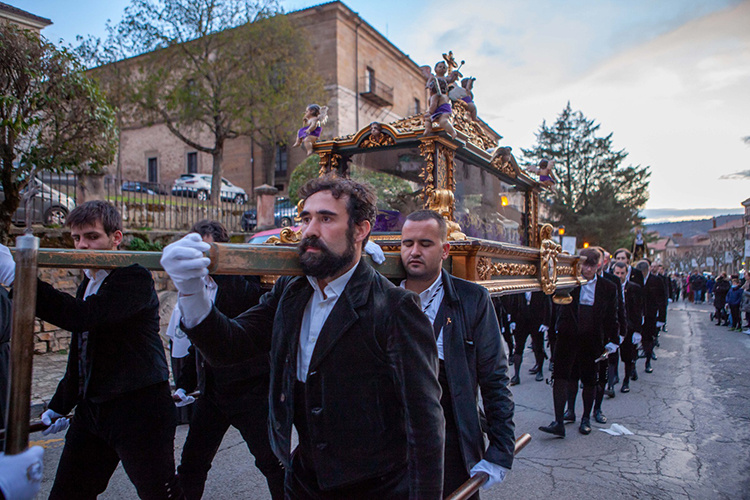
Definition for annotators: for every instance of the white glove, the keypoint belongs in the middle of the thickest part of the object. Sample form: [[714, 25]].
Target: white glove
[[636, 338], [622, 339], [513, 327], [21, 475], [543, 328], [611, 347], [7, 266], [659, 324], [185, 263], [181, 399], [669, 301], [496, 472], [58, 425], [375, 252]]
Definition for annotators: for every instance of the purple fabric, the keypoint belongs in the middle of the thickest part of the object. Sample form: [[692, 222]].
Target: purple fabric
[[544, 177], [302, 133], [443, 109], [467, 99]]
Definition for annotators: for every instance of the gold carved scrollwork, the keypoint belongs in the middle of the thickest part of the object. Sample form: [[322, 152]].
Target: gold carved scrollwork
[[427, 150], [383, 140], [486, 269], [501, 161], [441, 201], [473, 131], [286, 236], [329, 162], [565, 270], [408, 124], [548, 250]]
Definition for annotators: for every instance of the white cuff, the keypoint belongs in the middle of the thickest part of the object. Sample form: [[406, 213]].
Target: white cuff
[[195, 308], [496, 472]]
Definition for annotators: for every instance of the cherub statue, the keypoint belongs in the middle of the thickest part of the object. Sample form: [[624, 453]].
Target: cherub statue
[[545, 169], [315, 117], [464, 93], [440, 108]]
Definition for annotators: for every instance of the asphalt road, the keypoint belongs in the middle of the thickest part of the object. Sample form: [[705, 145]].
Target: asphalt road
[[690, 421]]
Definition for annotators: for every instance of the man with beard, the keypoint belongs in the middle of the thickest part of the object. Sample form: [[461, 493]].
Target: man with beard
[[471, 355], [585, 328], [633, 300], [353, 359]]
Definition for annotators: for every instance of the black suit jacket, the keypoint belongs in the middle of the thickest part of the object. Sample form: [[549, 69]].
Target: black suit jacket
[[655, 303], [634, 309], [229, 385], [372, 397], [622, 322], [532, 315], [124, 352], [475, 358], [635, 276], [605, 314]]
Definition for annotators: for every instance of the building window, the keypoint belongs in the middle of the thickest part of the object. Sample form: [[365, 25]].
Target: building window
[[153, 170], [370, 80], [282, 159], [417, 107], [192, 163]]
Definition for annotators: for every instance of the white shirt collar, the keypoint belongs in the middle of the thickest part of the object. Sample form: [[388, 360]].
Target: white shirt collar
[[428, 292], [333, 288], [97, 275]]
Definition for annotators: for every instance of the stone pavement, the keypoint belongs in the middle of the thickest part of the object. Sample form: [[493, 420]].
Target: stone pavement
[[48, 370]]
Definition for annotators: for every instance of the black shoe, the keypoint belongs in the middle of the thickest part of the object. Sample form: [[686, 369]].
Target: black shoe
[[610, 392], [625, 388], [617, 380], [648, 368], [539, 376], [555, 428], [664, 329], [510, 360], [599, 416], [585, 427], [515, 380], [534, 369], [653, 356], [634, 375], [552, 365], [569, 416]]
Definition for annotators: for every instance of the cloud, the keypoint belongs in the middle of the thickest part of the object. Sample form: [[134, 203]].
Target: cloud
[[743, 174]]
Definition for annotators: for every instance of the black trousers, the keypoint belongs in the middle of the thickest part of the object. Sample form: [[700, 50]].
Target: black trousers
[[136, 428], [454, 467], [208, 425], [302, 484], [736, 316], [576, 354]]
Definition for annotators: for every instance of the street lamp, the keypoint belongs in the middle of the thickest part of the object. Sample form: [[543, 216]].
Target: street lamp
[[560, 233]]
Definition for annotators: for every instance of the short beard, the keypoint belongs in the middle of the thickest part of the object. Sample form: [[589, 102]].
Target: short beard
[[324, 264]]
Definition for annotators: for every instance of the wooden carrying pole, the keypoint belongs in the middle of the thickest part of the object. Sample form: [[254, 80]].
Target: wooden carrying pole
[[22, 344], [477, 480]]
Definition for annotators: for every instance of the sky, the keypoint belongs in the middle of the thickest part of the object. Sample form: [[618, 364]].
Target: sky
[[670, 79]]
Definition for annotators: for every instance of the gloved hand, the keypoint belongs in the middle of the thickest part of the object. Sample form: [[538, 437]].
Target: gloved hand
[[496, 472], [374, 251], [185, 263], [58, 425], [659, 324], [543, 328], [181, 399], [611, 347], [21, 475], [636, 338], [512, 327], [7, 266]]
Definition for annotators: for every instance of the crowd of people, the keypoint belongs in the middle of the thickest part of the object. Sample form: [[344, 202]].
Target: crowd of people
[[381, 381]]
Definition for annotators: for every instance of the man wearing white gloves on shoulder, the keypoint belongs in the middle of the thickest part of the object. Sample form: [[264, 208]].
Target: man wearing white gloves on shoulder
[[471, 351], [117, 375]]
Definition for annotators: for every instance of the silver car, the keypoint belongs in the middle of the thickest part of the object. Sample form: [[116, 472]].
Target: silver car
[[49, 206], [199, 186]]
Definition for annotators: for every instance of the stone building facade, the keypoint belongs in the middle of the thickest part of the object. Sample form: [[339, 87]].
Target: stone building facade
[[22, 19], [366, 77]]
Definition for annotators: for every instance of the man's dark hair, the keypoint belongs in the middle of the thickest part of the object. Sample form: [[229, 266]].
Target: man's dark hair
[[362, 200], [643, 266], [627, 253], [97, 210], [211, 227], [422, 215], [592, 256], [621, 265]]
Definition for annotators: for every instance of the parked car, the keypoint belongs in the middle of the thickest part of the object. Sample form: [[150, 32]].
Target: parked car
[[49, 206], [138, 187], [263, 236], [199, 186], [283, 215]]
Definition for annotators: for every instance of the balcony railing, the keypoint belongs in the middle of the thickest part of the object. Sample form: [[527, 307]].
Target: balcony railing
[[376, 91]]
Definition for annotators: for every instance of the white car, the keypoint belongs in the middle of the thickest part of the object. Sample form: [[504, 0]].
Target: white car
[[199, 186], [48, 206]]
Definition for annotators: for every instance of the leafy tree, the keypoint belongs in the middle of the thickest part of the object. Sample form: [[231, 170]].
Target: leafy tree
[[305, 171], [52, 117], [210, 71], [596, 197]]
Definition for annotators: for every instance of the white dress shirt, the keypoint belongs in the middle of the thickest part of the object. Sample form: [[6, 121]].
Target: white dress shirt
[[430, 300], [96, 278], [588, 291], [316, 313]]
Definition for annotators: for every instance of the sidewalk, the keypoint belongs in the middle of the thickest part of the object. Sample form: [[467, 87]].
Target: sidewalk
[[48, 370]]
